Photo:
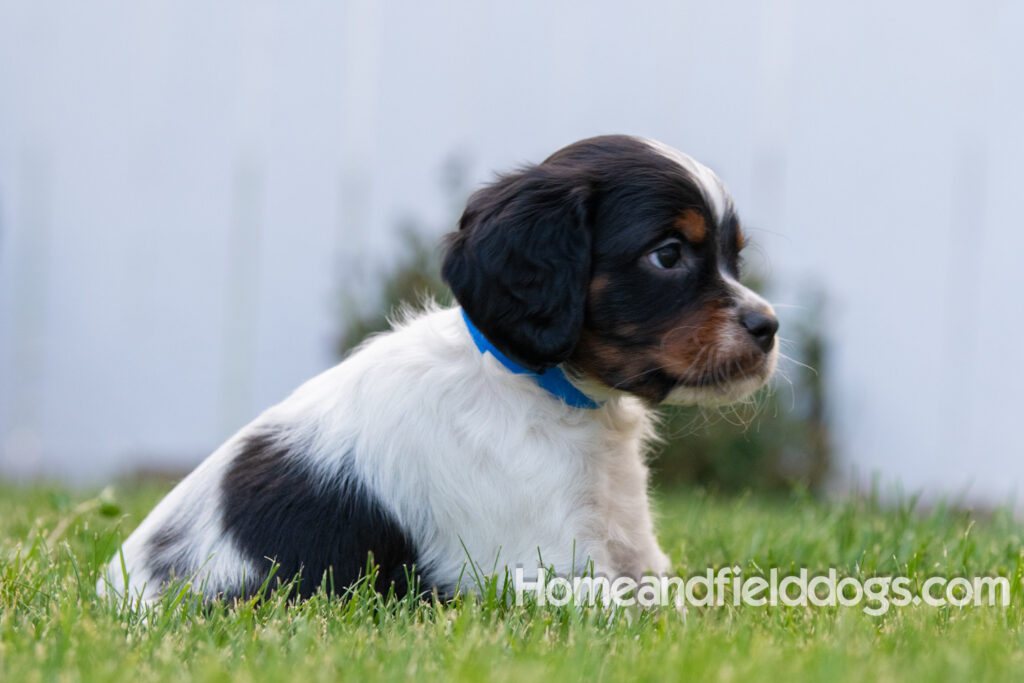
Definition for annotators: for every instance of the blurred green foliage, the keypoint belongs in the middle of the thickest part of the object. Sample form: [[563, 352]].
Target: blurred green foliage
[[416, 277], [774, 443]]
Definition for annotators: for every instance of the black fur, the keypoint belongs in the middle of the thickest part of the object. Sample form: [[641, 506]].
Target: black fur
[[274, 508], [520, 263]]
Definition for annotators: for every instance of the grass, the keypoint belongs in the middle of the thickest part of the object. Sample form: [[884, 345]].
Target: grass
[[53, 627]]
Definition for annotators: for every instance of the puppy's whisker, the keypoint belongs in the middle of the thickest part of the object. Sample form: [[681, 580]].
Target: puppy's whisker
[[794, 361], [792, 390]]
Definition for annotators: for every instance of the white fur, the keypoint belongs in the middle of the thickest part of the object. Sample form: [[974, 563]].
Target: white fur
[[711, 187], [468, 457]]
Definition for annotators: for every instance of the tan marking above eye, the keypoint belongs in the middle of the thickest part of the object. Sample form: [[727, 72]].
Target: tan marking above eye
[[692, 225], [598, 285]]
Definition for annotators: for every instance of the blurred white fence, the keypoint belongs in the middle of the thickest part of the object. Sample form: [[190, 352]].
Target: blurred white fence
[[185, 187]]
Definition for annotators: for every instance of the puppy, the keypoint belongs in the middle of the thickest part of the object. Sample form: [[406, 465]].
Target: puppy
[[505, 431]]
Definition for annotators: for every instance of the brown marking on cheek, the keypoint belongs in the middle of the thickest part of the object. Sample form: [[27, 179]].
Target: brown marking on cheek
[[698, 352], [600, 358], [692, 225], [741, 239], [689, 346]]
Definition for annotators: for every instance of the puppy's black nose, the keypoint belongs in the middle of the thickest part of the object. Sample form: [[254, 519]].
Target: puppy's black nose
[[762, 327]]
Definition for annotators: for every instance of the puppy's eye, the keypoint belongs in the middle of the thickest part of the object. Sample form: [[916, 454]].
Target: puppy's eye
[[667, 256]]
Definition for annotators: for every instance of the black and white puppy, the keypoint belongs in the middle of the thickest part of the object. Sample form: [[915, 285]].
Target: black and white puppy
[[592, 286]]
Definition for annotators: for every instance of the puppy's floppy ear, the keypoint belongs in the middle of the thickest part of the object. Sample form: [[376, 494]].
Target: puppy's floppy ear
[[519, 264]]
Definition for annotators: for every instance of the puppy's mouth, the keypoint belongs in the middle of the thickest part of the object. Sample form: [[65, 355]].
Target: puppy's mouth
[[724, 381], [725, 372]]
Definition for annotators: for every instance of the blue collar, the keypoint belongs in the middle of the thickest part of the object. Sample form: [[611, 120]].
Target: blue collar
[[553, 380]]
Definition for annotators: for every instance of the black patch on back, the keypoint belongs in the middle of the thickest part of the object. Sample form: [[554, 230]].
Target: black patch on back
[[274, 508]]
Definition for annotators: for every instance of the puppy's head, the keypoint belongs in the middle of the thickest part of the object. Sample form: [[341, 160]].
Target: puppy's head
[[620, 257]]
